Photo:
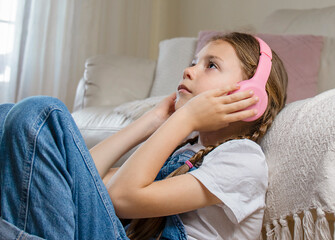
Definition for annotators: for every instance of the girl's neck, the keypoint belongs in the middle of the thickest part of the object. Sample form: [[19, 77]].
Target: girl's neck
[[234, 130]]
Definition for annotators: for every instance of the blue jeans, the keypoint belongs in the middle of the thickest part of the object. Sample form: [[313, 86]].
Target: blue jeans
[[49, 184]]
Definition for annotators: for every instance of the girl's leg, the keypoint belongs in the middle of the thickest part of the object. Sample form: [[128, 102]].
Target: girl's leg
[[50, 185], [4, 109]]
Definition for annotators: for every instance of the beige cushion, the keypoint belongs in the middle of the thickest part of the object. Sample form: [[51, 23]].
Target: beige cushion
[[113, 80], [174, 56]]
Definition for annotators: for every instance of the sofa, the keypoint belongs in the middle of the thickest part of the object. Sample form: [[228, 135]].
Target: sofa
[[300, 145]]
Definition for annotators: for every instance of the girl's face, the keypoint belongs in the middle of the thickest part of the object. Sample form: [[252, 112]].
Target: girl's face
[[215, 66]]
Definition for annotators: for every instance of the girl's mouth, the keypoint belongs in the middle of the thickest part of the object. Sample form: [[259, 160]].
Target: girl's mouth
[[182, 88]]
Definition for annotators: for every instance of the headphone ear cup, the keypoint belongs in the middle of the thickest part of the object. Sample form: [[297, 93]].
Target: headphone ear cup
[[260, 92]]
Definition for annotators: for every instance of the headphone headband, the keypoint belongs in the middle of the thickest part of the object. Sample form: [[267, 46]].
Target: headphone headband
[[264, 64], [264, 48], [258, 82]]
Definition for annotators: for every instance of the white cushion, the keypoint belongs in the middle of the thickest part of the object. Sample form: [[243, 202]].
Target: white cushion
[[113, 80], [97, 123], [174, 56]]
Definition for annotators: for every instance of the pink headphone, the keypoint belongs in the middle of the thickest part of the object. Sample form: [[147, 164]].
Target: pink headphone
[[258, 81]]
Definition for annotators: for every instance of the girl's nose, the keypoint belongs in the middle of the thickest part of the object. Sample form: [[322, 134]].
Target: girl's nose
[[189, 73]]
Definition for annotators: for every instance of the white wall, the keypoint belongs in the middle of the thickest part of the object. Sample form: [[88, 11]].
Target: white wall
[[196, 15], [185, 18]]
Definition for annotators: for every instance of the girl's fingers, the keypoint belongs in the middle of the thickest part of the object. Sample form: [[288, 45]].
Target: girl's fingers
[[240, 105], [224, 91], [239, 116], [237, 96]]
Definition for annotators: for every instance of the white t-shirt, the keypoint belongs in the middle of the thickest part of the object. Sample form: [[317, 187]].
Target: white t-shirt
[[236, 172]]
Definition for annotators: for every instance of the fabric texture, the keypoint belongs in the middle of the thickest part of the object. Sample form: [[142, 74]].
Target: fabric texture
[[170, 67], [301, 55], [300, 151], [236, 173]]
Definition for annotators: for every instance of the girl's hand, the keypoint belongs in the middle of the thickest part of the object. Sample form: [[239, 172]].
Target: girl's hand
[[215, 109], [163, 110]]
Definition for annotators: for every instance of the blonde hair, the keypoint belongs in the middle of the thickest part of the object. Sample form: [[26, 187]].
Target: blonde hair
[[247, 49]]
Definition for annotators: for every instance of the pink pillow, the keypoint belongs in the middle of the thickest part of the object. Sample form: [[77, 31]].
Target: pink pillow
[[301, 55]]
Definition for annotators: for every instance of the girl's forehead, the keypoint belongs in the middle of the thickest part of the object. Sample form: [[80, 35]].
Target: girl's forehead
[[219, 48]]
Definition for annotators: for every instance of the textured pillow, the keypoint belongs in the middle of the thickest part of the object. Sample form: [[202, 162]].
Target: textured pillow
[[174, 56], [300, 152], [112, 80], [301, 55]]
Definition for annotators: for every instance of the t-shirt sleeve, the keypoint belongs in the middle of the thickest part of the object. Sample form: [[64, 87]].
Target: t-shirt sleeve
[[237, 174]]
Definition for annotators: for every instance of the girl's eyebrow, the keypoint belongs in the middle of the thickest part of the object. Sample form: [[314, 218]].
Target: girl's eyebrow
[[207, 57], [214, 57]]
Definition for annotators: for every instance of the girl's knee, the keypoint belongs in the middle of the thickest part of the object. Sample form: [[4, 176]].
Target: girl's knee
[[41, 102], [26, 112], [4, 110]]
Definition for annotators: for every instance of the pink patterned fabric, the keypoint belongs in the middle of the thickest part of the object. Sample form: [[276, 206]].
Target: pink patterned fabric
[[301, 55]]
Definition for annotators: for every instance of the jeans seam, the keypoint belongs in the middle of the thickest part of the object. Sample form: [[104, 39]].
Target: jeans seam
[[95, 178], [29, 162]]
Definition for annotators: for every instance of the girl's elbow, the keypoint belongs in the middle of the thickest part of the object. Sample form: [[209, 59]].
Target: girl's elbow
[[123, 203]]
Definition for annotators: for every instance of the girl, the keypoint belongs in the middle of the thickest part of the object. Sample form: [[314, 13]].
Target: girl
[[51, 188]]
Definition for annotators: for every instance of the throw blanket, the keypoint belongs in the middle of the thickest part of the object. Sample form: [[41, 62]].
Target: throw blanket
[[135, 109], [300, 151]]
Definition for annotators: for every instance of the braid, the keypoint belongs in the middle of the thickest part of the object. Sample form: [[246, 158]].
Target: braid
[[264, 126], [196, 160], [188, 141]]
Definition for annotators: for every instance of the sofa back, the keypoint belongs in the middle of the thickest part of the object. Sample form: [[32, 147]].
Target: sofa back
[[174, 56]]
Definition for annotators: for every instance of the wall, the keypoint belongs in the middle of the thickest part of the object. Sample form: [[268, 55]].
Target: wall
[[197, 15], [185, 18]]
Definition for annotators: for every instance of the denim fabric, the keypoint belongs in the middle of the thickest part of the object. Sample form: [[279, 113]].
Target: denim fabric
[[49, 184], [173, 163], [174, 228], [4, 109]]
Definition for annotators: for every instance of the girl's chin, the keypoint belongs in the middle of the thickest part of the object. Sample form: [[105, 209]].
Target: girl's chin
[[180, 101], [178, 105]]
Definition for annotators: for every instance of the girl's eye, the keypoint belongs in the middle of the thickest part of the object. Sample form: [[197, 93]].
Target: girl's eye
[[212, 65]]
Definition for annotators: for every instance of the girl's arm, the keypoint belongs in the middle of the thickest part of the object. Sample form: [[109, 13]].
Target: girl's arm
[[132, 188], [109, 151]]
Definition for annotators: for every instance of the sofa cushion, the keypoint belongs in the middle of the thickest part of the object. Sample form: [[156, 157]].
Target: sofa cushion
[[98, 123], [300, 152], [174, 56], [301, 55], [112, 80]]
